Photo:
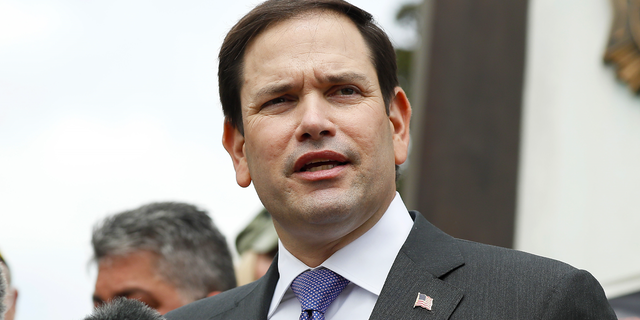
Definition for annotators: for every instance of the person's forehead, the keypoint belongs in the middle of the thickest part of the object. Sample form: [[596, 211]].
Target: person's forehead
[[136, 258], [137, 270], [320, 32], [308, 15], [313, 18]]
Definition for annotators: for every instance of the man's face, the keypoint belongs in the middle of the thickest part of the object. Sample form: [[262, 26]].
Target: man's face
[[135, 276], [318, 143]]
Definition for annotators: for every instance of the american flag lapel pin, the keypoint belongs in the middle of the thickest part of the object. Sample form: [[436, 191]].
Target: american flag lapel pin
[[423, 301]]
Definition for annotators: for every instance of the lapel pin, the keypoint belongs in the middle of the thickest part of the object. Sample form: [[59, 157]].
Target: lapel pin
[[423, 301]]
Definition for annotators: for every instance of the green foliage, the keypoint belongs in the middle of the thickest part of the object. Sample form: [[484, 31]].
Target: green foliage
[[404, 60], [408, 14], [407, 17]]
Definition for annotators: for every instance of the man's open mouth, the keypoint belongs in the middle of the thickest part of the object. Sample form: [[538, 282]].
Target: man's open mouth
[[320, 161], [318, 165]]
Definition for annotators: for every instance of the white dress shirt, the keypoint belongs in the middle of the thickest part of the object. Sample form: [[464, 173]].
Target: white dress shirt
[[365, 262]]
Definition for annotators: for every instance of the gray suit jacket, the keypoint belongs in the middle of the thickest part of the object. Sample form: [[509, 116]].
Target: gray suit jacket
[[466, 280]]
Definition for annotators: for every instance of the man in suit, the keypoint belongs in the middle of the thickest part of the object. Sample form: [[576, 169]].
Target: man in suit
[[316, 120]]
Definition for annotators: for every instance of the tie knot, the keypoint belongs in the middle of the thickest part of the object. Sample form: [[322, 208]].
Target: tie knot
[[316, 289]]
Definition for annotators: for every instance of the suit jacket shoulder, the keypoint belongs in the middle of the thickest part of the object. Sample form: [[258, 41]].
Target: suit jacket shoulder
[[464, 279], [469, 280], [250, 301]]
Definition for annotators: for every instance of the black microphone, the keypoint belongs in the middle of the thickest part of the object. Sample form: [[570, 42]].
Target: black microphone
[[124, 309]]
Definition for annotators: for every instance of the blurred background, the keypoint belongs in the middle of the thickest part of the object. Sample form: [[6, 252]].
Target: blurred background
[[522, 135], [105, 106]]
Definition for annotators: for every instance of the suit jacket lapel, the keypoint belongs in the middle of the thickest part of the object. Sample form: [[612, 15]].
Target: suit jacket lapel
[[255, 305], [427, 255]]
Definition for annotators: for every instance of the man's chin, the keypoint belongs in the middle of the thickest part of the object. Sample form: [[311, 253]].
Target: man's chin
[[327, 208]]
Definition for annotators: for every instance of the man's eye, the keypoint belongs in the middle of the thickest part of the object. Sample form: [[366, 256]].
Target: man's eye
[[347, 91], [275, 101]]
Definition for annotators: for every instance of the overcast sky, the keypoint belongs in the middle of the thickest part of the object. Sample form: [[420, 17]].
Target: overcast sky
[[105, 106]]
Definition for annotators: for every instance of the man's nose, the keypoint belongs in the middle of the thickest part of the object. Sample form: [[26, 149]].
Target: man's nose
[[315, 119]]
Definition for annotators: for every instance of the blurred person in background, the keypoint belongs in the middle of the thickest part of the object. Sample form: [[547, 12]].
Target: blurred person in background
[[257, 245], [164, 254], [11, 293], [627, 307], [3, 292]]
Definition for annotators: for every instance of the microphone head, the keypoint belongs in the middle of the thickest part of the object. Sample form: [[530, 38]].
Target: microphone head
[[124, 309]]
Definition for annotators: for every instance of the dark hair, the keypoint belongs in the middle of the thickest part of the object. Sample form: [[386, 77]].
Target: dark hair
[[193, 254], [230, 69]]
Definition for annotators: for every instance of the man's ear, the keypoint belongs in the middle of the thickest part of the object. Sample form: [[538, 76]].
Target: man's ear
[[213, 293], [400, 116], [233, 142]]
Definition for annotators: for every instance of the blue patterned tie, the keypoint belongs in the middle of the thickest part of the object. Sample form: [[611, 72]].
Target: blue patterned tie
[[316, 289]]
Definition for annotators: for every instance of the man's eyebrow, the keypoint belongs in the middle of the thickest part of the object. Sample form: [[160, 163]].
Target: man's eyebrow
[[344, 77], [280, 88], [274, 89], [123, 293], [129, 292]]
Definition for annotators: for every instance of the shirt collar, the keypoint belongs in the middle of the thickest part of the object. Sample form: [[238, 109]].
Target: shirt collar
[[365, 262]]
